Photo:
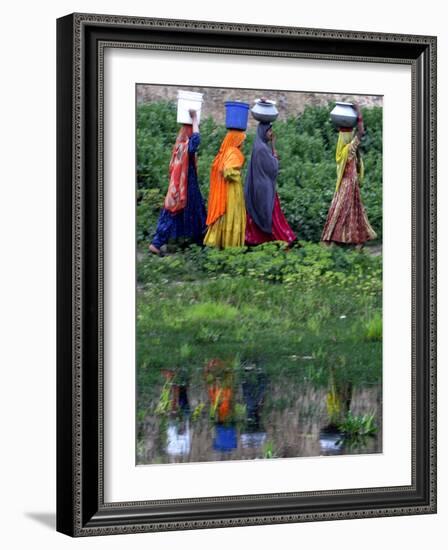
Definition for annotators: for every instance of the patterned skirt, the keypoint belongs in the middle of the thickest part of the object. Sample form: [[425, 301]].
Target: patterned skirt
[[347, 220]]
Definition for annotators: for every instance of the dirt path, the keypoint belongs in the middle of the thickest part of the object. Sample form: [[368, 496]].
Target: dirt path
[[375, 250]]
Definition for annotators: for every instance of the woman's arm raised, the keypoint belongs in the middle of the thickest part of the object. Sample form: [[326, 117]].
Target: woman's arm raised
[[194, 118]]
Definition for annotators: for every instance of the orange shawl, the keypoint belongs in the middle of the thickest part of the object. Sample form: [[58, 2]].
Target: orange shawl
[[176, 196], [229, 156]]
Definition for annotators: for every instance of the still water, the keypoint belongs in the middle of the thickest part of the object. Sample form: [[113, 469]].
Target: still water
[[257, 419]]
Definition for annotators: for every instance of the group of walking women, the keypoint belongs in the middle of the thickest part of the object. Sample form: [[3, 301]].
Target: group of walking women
[[251, 215]]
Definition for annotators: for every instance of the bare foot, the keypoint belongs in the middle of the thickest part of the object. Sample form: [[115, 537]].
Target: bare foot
[[154, 250]]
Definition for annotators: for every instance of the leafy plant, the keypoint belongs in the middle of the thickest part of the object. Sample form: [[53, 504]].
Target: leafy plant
[[197, 412], [215, 404], [358, 425], [374, 329], [163, 406], [268, 450], [239, 412], [356, 429]]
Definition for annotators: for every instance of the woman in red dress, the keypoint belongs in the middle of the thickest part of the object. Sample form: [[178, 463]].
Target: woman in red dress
[[347, 221], [265, 219]]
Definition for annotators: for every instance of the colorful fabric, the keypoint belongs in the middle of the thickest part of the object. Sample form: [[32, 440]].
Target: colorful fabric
[[281, 231], [221, 401], [259, 189], [344, 146], [229, 156], [347, 220], [229, 229], [176, 197], [190, 221], [226, 211]]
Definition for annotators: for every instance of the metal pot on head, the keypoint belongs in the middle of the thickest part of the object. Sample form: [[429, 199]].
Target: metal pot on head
[[264, 110], [344, 115]]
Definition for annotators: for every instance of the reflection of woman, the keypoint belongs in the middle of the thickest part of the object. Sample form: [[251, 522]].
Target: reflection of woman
[[265, 219], [219, 379], [254, 389], [183, 214], [226, 217], [347, 220]]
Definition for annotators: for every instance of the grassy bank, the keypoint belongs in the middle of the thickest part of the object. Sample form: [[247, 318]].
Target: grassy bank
[[308, 314]]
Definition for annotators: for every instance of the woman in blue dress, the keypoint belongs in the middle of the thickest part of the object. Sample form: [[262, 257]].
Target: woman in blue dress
[[183, 215]]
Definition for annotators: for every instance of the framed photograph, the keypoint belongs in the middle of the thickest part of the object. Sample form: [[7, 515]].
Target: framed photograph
[[246, 274]]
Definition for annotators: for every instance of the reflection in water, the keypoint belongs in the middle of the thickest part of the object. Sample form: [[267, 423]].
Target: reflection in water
[[178, 439], [174, 404], [253, 440], [226, 417], [331, 442], [184, 406], [225, 438], [254, 389]]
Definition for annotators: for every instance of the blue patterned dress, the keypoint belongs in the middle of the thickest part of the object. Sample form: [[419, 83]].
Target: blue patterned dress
[[190, 222]]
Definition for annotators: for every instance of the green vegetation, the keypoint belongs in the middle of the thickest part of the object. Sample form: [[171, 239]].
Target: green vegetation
[[268, 450], [374, 328], [307, 317], [356, 429], [301, 314], [358, 426], [306, 146]]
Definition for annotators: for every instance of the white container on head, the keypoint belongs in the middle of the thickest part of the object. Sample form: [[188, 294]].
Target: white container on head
[[185, 102]]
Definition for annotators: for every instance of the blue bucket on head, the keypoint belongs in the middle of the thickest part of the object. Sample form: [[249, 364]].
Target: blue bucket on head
[[225, 438], [237, 114]]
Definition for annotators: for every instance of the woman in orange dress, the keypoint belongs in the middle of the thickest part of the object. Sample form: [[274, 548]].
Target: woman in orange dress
[[226, 216]]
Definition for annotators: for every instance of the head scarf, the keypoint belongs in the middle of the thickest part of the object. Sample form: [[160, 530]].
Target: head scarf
[[345, 139], [229, 156], [259, 190], [176, 197]]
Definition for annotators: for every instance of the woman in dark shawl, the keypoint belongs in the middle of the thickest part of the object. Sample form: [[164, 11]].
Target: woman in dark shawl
[[265, 219]]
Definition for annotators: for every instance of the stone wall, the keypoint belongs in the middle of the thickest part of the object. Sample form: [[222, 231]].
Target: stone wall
[[288, 103]]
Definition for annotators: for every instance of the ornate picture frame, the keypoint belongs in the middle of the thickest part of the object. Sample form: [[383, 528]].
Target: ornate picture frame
[[81, 42]]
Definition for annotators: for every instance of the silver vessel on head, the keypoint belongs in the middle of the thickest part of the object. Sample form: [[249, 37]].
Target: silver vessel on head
[[344, 115], [264, 110]]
